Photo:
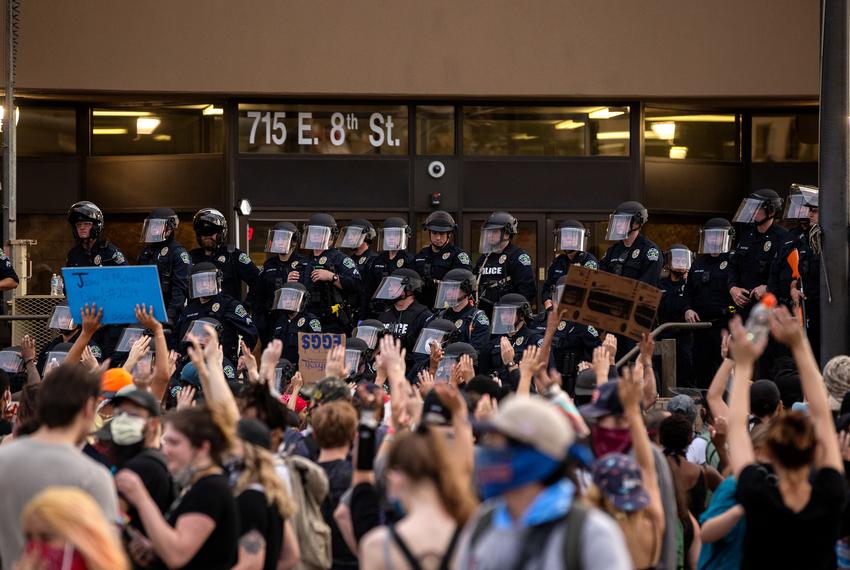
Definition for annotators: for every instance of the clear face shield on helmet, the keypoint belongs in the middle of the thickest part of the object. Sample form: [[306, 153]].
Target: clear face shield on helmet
[[619, 227], [61, 320], [351, 237], [352, 361], [11, 361], [153, 230], [390, 289], [449, 294], [198, 330], [492, 240], [504, 319], [392, 239], [558, 294], [316, 238], [715, 240], [279, 241], [678, 259], [445, 368], [129, 336], [54, 360], [289, 300], [369, 335], [572, 239], [799, 201], [204, 284], [748, 211], [426, 337]]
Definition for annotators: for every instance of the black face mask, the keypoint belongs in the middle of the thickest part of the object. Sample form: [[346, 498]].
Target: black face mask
[[121, 454]]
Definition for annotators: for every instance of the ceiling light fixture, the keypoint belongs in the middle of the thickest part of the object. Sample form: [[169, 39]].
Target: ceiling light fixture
[[111, 113], [666, 131], [108, 131], [146, 125], [678, 152], [569, 124], [213, 110], [604, 113]]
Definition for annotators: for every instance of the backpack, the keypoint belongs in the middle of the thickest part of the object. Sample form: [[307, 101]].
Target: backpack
[[309, 489], [572, 533]]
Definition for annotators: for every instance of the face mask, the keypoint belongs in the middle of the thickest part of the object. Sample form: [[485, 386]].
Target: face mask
[[500, 470], [610, 440], [56, 558], [127, 429]]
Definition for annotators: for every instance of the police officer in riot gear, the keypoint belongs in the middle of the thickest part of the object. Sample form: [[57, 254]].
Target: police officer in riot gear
[[328, 274], [290, 301], [86, 222], [503, 267], [282, 247], [455, 302], [439, 332], [170, 257], [801, 293], [357, 237], [633, 256], [511, 315], [440, 256], [210, 227], [62, 322], [707, 297], [571, 241], [405, 317], [678, 260], [392, 243], [208, 300], [751, 261]]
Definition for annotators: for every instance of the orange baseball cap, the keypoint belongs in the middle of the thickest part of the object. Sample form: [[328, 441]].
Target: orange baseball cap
[[113, 380]]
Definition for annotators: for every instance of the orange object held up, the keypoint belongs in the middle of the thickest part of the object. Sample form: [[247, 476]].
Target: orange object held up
[[793, 260]]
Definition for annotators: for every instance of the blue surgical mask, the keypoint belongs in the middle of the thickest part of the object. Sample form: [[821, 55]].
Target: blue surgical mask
[[500, 470]]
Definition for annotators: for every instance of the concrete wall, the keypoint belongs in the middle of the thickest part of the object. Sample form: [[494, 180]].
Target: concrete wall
[[535, 48]]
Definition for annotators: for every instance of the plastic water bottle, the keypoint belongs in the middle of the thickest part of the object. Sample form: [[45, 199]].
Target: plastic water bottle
[[54, 286], [758, 324], [60, 286]]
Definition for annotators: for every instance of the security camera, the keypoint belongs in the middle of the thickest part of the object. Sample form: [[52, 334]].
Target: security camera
[[436, 169]]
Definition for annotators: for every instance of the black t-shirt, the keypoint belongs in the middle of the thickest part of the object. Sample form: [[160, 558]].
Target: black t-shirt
[[150, 466], [777, 537], [339, 474], [255, 513], [211, 496]]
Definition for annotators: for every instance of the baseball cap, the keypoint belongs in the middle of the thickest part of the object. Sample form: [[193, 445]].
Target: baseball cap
[[141, 398], [683, 405], [189, 375], [254, 432], [533, 421], [329, 390], [113, 380], [606, 402], [586, 380], [764, 397], [618, 477]]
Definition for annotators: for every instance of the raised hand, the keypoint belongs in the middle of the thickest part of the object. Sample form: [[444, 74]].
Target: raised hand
[[145, 318], [507, 350], [335, 364], [186, 398], [742, 348], [91, 319]]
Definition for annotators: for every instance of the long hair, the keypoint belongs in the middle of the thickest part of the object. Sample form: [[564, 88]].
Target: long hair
[[73, 515], [423, 455], [204, 423], [791, 440], [259, 470]]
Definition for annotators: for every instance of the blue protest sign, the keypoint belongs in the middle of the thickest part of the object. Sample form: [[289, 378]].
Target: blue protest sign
[[116, 290]]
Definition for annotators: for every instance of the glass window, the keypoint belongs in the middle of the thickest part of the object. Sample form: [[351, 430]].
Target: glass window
[[323, 129], [546, 131], [691, 134], [45, 130], [184, 129], [435, 130], [786, 138]]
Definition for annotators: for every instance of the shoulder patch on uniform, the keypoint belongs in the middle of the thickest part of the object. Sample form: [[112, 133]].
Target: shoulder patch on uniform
[[540, 343], [519, 340], [316, 325], [240, 311], [481, 317], [95, 351], [243, 258], [592, 330], [652, 254], [348, 262], [118, 257], [362, 260], [723, 264], [463, 258], [301, 322], [229, 372], [525, 259], [591, 264], [184, 257], [562, 325]]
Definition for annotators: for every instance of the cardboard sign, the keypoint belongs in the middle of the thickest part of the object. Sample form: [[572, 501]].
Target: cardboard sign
[[313, 349], [116, 290], [609, 302]]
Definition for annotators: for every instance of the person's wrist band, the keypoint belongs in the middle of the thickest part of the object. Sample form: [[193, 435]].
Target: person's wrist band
[[28, 362]]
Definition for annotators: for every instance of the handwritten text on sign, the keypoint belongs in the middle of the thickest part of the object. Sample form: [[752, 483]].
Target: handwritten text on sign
[[313, 351], [117, 290]]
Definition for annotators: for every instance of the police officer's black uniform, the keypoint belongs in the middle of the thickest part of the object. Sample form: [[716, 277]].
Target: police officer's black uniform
[[472, 324], [101, 252], [287, 328], [233, 317], [707, 294], [6, 269], [504, 272], [235, 265], [377, 268], [59, 339], [750, 263], [433, 265], [172, 262], [406, 324], [672, 309], [561, 267], [572, 343], [641, 260]]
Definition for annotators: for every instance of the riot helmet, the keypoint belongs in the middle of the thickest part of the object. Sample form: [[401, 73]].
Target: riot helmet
[[198, 330], [716, 237], [355, 233], [128, 338], [291, 298], [282, 238], [571, 235], [454, 287], [498, 228], [356, 351], [11, 360], [86, 211], [205, 280], [440, 330], [440, 221], [801, 199], [625, 217], [396, 286], [61, 320], [369, 331], [394, 235], [319, 232], [56, 356], [158, 224], [678, 258], [508, 312], [765, 199], [210, 222]]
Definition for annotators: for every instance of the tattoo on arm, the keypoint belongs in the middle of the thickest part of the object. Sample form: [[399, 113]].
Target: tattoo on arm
[[252, 542]]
